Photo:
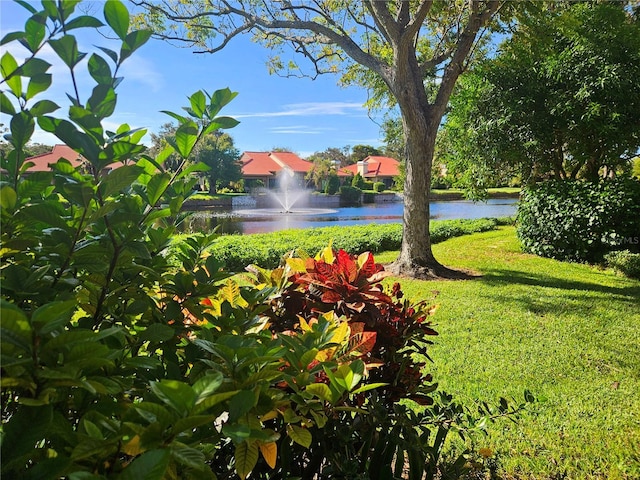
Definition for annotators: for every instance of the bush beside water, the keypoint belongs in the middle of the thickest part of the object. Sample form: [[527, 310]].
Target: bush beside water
[[266, 249]]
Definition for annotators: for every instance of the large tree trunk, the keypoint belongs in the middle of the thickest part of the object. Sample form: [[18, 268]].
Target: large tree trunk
[[420, 122]]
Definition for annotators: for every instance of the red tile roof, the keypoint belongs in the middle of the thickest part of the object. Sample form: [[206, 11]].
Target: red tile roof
[[376, 167], [41, 162], [270, 163]]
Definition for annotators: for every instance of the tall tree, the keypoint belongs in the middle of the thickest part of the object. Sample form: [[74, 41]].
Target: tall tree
[[560, 100], [360, 152], [217, 151], [404, 43]]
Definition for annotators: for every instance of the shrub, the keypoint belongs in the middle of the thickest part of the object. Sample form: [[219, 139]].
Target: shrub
[[333, 184], [266, 249], [350, 195], [379, 187], [357, 181], [579, 221], [367, 185], [624, 262]]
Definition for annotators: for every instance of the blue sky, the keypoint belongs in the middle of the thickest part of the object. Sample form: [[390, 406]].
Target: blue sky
[[302, 115]]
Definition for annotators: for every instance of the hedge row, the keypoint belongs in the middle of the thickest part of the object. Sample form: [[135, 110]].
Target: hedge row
[[579, 221], [267, 249]]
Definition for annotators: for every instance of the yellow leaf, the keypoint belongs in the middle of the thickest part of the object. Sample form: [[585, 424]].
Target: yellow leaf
[[132, 447], [326, 254], [296, 264], [270, 453], [269, 415]]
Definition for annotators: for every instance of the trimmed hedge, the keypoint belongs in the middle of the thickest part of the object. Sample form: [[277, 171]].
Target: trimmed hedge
[[579, 221], [350, 195], [624, 262], [267, 249], [379, 187]]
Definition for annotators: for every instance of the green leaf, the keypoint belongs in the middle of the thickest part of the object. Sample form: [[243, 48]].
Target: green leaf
[[5, 105], [190, 457], [10, 37], [112, 55], [43, 107], [15, 327], [8, 198], [45, 213], [22, 127], [219, 99], [117, 16], [26, 5], [152, 413], [191, 422], [213, 400], [241, 404], [207, 385], [102, 101], [8, 67], [34, 66], [99, 70], [198, 103], [157, 332], [119, 179], [300, 435], [84, 21], [157, 186], [221, 123], [151, 465], [34, 32], [185, 138], [37, 84], [67, 49], [52, 316], [320, 390], [177, 395], [134, 41], [246, 456]]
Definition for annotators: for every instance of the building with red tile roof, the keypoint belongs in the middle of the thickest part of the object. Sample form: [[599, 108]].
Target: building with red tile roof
[[265, 167], [43, 162], [375, 169]]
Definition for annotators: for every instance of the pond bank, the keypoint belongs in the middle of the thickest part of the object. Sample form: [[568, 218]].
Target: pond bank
[[333, 201]]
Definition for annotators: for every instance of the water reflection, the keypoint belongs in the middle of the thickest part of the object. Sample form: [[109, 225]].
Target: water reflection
[[229, 221]]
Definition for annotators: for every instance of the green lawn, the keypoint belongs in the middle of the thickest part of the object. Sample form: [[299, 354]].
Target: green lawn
[[569, 333]]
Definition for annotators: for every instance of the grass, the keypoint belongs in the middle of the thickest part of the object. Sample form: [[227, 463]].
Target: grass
[[569, 333]]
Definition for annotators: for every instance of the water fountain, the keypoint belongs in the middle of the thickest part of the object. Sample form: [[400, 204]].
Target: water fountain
[[288, 199]]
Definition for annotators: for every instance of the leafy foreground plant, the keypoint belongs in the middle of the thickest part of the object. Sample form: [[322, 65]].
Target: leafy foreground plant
[[118, 364]]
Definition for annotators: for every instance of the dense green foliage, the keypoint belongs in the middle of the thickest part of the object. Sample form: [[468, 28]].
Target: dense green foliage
[[581, 221], [625, 261], [379, 187], [332, 184], [350, 195], [266, 249], [559, 100]]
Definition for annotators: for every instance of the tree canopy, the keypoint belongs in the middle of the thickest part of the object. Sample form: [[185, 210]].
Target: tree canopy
[[405, 45], [561, 99]]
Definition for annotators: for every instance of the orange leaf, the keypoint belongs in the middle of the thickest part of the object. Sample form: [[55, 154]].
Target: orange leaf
[[270, 453]]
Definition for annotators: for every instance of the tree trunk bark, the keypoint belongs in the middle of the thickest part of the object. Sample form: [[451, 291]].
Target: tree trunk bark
[[420, 122]]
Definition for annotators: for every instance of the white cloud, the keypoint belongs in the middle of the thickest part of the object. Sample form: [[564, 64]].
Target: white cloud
[[310, 108], [298, 130], [143, 71]]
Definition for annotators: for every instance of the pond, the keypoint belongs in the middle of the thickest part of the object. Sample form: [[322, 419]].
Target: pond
[[231, 221]]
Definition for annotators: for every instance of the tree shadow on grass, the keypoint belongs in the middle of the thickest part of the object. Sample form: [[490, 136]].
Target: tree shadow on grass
[[510, 277]]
